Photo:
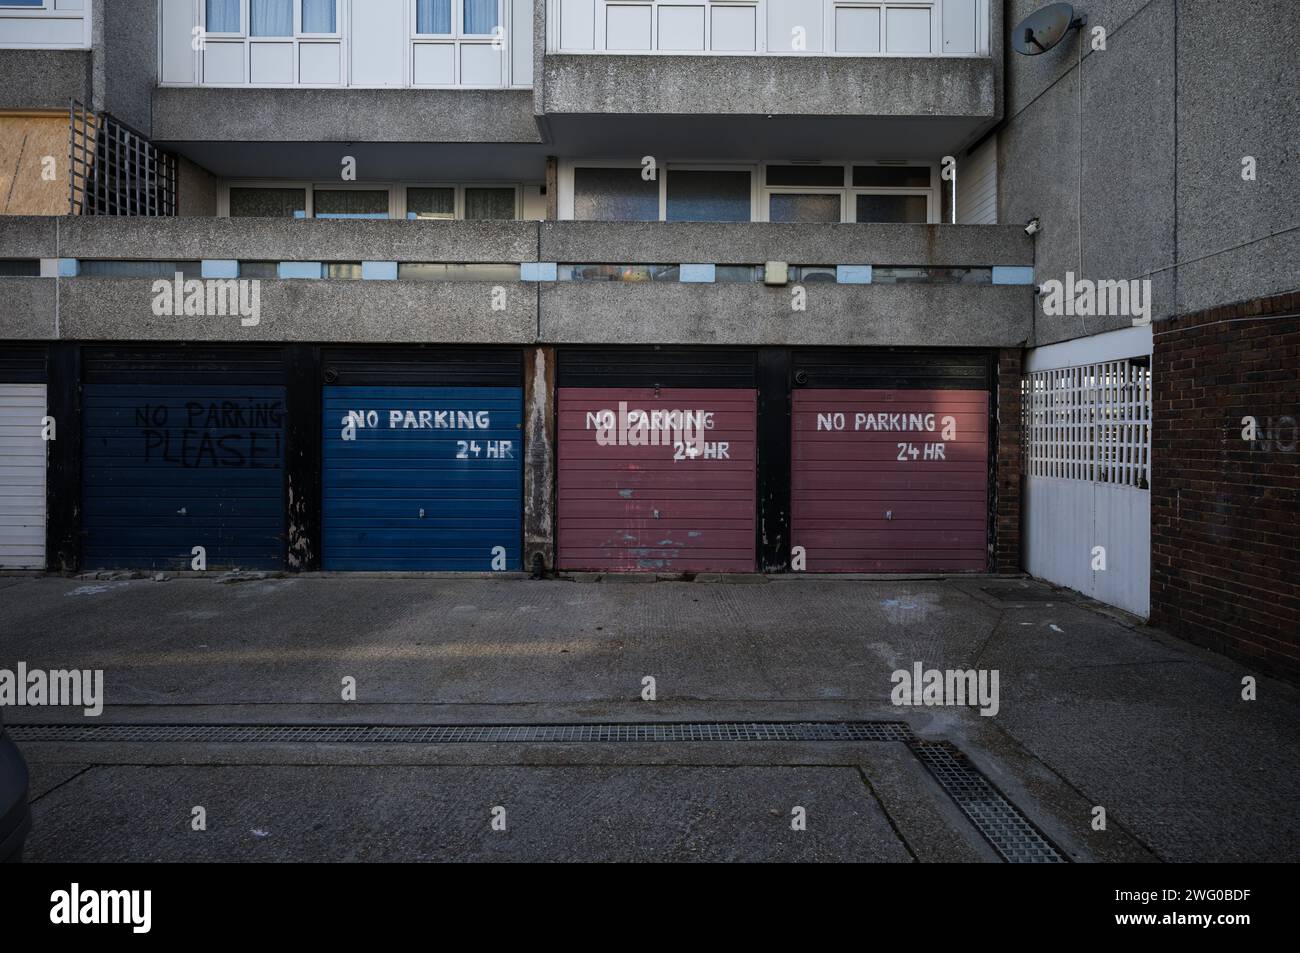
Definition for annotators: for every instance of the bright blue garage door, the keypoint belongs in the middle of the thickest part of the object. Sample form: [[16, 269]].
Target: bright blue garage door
[[169, 467], [432, 479]]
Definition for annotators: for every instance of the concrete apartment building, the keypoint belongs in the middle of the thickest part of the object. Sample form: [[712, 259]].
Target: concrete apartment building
[[638, 286]]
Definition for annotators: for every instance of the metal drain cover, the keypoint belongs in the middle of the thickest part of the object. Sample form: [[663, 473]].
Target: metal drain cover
[[1017, 594], [469, 734], [1012, 835]]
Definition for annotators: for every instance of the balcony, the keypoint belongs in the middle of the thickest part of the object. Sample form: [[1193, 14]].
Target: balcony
[[525, 282], [355, 71], [876, 79]]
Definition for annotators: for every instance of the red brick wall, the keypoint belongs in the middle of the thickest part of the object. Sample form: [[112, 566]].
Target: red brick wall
[[1006, 546], [1225, 559]]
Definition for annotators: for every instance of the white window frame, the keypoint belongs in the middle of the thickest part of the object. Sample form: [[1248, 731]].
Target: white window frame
[[600, 28], [396, 194], [884, 6], [47, 11], [602, 31], [458, 38], [849, 192], [298, 40]]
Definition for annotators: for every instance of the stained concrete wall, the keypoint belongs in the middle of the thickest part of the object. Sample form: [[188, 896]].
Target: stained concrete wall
[[770, 85], [389, 312], [196, 190], [195, 114], [91, 308], [748, 314], [1132, 156], [44, 79], [267, 239], [125, 48]]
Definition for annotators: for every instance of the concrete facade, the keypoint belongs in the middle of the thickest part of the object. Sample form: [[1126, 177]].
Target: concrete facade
[[197, 114], [44, 79], [1132, 156], [549, 312]]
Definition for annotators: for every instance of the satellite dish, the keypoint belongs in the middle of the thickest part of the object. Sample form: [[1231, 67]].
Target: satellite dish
[[1041, 31]]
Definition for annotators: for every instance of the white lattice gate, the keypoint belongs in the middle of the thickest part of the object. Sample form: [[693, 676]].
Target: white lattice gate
[[1087, 477]]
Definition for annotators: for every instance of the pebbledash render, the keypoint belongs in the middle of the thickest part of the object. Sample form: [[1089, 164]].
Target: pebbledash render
[[709, 286]]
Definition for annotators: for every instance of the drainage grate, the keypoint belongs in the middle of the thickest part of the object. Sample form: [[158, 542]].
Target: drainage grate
[[1025, 594], [1001, 823], [470, 734]]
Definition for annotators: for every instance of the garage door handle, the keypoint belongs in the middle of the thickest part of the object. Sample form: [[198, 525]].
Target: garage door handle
[[421, 514], [889, 514]]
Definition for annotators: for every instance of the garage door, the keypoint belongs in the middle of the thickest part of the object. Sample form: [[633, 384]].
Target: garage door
[[657, 479], [172, 466], [22, 476], [890, 480], [422, 478]]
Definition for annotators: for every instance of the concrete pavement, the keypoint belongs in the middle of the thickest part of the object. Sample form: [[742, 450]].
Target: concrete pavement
[[1094, 711]]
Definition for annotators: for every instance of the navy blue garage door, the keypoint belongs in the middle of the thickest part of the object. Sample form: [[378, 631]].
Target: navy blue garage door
[[432, 478], [169, 467]]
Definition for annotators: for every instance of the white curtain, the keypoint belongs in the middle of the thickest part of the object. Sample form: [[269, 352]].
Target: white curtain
[[318, 16], [223, 16], [271, 18], [433, 16], [480, 16]]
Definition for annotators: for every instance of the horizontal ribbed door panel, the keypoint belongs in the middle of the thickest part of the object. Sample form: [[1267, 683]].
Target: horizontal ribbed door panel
[[22, 476], [168, 467], [437, 487], [878, 486], [664, 508]]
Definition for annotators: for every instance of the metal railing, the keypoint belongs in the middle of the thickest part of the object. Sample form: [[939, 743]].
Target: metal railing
[[115, 170]]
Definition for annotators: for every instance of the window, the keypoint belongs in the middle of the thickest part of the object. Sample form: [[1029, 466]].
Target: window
[[347, 270], [896, 209], [106, 268], [484, 204], [455, 43], [826, 176], [268, 203], [891, 176], [414, 203], [259, 269], [223, 16], [20, 268], [614, 195], [422, 271], [804, 207], [319, 16], [350, 203], [431, 203], [696, 195], [270, 17], [433, 17], [880, 192], [480, 17]]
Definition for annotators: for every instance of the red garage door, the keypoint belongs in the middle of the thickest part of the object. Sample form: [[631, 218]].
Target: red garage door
[[657, 480], [890, 480]]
